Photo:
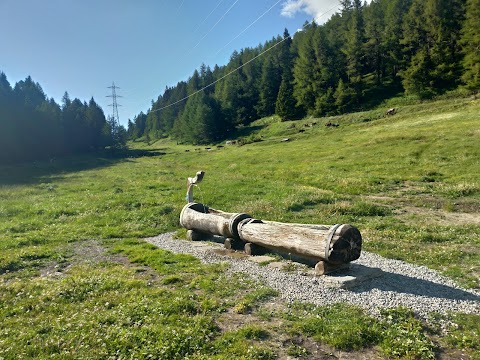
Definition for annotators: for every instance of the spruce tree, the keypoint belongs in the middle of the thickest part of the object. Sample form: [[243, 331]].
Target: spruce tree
[[269, 86], [431, 35], [7, 124], [306, 73], [395, 12], [374, 47], [471, 46], [344, 96], [200, 122], [285, 105], [354, 49]]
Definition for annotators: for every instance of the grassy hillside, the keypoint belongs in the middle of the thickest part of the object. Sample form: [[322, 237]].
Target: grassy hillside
[[78, 281]]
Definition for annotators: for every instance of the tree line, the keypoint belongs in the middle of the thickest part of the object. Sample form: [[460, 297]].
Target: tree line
[[34, 127], [359, 56]]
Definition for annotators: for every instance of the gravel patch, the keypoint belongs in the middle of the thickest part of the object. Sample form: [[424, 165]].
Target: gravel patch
[[398, 283]]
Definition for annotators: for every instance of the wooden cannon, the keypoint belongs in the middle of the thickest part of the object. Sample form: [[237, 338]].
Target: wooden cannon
[[330, 247]]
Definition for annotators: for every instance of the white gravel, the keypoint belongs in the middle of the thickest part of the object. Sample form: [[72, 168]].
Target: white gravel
[[399, 283]]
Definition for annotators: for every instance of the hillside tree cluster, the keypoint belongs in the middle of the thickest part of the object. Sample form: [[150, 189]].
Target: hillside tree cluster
[[34, 127], [360, 56]]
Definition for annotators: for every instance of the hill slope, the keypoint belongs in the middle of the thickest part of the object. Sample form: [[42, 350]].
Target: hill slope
[[409, 182]]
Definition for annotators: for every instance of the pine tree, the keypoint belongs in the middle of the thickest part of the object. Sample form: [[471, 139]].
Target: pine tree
[[431, 37], [153, 126], [96, 120], [325, 104], [194, 83], [444, 19], [471, 46], [306, 73], [343, 96], [139, 123], [354, 49], [200, 122], [395, 13], [8, 130], [207, 79], [374, 46], [285, 105], [269, 86]]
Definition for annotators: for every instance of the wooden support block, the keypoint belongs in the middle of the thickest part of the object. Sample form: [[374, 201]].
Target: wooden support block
[[228, 244], [324, 267], [193, 235], [234, 244], [254, 249]]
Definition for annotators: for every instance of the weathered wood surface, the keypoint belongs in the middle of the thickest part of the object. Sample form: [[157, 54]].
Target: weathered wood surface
[[311, 226], [337, 244], [201, 218]]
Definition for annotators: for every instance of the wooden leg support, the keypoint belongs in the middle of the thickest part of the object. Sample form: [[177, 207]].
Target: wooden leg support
[[234, 244], [193, 235], [324, 267], [254, 249]]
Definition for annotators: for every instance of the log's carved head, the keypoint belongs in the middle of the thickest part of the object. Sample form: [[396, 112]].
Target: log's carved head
[[191, 182], [197, 179]]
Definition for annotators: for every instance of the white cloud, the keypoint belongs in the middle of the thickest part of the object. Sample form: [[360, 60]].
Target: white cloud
[[320, 10], [291, 7]]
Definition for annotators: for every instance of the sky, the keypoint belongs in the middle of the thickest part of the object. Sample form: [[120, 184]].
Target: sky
[[142, 46]]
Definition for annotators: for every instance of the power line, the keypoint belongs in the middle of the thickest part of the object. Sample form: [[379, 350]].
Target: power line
[[213, 27], [178, 10], [248, 27], [211, 12], [247, 62]]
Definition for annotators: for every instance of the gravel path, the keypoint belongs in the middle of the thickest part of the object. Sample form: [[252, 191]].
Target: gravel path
[[398, 283]]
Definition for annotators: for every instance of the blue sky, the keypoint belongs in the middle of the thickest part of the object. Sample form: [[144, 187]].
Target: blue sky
[[143, 46]]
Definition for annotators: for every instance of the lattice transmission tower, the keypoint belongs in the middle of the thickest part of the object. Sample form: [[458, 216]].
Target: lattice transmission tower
[[114, 105]]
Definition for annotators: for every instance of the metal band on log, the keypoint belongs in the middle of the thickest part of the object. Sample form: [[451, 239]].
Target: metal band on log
[[201, 218], [337, 244]]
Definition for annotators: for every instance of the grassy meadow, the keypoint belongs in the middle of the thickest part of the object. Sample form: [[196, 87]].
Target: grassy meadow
[[78, 281]]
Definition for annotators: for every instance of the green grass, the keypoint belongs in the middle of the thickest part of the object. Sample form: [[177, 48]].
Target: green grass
[[409, 182]]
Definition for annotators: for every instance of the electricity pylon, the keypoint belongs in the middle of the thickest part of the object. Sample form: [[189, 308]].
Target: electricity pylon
[[114, 105]]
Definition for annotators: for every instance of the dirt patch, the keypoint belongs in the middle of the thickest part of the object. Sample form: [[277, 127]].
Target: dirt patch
[[432, 209], [92, 252], [282, 341], [439, 217]]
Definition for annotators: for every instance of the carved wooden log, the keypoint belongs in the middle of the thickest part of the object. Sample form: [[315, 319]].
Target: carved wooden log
[[338, 244], [201, 218]]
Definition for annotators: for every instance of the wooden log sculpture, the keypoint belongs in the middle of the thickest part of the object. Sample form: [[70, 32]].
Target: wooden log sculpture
[[330, 246]]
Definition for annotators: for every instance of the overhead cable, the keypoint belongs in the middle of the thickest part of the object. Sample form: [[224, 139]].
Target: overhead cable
[[211, 12], [213, 27], [248, 27], [244, 64]]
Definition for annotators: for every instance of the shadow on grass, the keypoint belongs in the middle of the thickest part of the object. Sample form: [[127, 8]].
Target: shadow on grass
[[37, 171], [376, 95], [247, 130]]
